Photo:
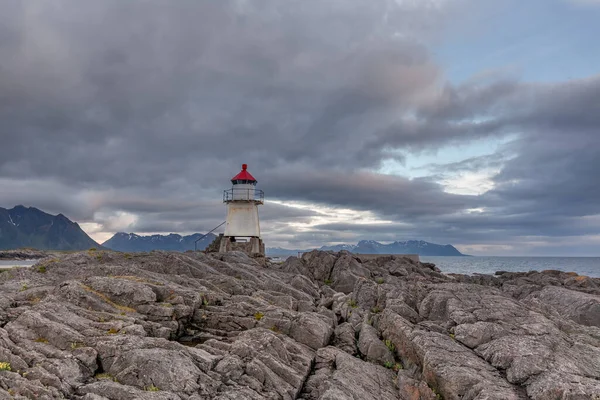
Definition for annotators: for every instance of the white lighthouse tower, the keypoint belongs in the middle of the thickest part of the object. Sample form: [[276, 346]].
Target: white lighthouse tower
[[242, 229]]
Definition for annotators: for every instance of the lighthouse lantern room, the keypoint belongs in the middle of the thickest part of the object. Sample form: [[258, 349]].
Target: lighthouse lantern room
[[242, 229]]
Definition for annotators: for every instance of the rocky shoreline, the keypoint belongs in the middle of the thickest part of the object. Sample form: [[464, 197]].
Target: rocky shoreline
[[25, 254], [104, 325]]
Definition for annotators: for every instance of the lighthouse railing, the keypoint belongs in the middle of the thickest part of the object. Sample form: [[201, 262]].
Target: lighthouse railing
[[239, 194]]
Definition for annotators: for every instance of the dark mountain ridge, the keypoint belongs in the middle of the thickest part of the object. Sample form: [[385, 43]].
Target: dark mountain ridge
[[419, 247], [23, 226], [130, 242]]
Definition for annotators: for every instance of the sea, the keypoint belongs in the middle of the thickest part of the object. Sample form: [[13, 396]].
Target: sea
[[588, 266], [16, 263]]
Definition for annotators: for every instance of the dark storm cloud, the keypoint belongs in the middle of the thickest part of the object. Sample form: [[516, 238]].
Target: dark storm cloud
[[136, 93], [148, 108]]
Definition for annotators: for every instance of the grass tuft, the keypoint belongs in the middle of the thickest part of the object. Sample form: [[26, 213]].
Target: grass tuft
[[258, 315], [105, 375], [389, 345], [394, 366], [76, 345]]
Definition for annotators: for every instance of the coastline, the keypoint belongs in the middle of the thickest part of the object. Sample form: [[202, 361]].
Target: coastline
[[318, 326], [25, 254]]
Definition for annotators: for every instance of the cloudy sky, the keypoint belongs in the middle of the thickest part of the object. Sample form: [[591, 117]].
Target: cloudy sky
[[470, 122]]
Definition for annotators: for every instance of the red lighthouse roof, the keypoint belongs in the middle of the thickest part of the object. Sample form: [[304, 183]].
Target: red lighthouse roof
[[244, 175]]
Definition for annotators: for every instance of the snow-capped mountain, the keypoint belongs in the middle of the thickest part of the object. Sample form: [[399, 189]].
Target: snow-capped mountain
[[29, 227], [131, 242]]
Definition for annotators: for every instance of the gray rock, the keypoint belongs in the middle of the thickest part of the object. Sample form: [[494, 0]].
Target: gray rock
[[105, 325], [582, 308], [275, 362], [372, 348], [345, 338], [341, 376], [310, 329]]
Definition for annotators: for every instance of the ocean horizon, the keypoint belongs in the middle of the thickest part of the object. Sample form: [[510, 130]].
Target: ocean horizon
[[588, 266]]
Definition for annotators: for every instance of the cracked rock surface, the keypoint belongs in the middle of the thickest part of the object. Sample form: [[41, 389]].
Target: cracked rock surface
[[99, 325]]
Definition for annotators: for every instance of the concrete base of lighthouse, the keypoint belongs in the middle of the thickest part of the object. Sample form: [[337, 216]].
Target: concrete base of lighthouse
[[251, 247]]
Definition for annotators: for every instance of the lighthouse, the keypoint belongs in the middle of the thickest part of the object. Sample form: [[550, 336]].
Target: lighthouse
[[242, 229]]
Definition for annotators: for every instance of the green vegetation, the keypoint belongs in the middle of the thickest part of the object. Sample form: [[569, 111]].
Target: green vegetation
[[41, 269], [23, 287], [379, 281], [258, 315], [376, 310], [41, 340], [152, 388], [389, 345], [328, 282], [275, 329], [352, 303], [113, 331], [104, 375], [452, 335], [395, 366], [438, 396], [4, 366]]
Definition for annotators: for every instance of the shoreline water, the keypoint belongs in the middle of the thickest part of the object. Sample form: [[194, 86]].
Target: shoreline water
[[587, 266], [7, 264]]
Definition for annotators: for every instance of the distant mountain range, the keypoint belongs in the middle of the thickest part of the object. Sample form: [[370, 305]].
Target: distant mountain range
[[419, 247], [130, 242], [29, 227]]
